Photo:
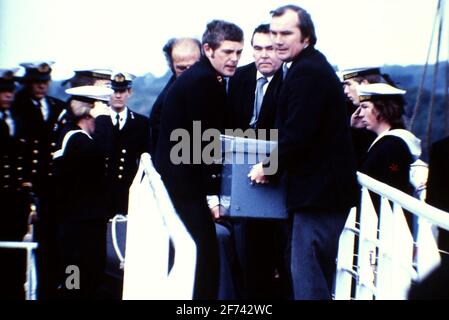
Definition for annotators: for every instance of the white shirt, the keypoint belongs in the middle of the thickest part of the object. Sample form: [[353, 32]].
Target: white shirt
[[45, 109], [123, 115], [9, 121]]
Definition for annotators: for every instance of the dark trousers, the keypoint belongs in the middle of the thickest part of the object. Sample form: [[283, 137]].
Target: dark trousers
[[314, 247], [261, 245], [229, 277], [82, 244], [13, 226], [197, 218]]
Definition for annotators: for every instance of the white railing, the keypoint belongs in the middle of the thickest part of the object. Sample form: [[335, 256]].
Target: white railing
[[152, 222], [387, 258], [31, 275]]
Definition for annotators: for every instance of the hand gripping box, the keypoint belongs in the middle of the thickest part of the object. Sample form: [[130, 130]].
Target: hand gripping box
[[239, 195]]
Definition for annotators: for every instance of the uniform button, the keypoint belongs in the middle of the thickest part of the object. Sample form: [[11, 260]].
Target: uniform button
[[53, 144], [120, 168], [20, 158], [123, 151], [6, 186], [20, 179], [35, 161], [107, 158], [120, 176], [6, 176], [36, 141], [33, 171], [50, 174], [19, 168], [6, 166], [122, 159], [214, 176], [35, 151]]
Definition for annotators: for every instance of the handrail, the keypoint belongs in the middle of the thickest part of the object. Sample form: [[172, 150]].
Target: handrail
[[419, 208], [31, 274], [388, 256]]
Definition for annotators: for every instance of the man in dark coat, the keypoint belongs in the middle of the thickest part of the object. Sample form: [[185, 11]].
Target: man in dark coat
[[14, 193], [39, 114], [129, 141], [438, 184], [315, 153], [259, 243], [181, 54], [436, 285], [196, 102]]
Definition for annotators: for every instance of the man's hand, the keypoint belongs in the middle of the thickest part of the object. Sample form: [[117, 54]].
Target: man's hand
[[356, 119], [217, 212], [257, 175]]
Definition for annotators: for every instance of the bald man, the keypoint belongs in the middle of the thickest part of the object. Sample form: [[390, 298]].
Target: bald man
[[181, 54]]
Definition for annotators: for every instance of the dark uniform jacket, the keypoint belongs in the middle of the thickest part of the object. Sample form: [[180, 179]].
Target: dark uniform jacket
[[14, 211], [198, 95], [80, 186], [438, 184], [14, 197], [122, 160], [389, 161], [38, 135], [315, 147], [155, 116], [242, 88]]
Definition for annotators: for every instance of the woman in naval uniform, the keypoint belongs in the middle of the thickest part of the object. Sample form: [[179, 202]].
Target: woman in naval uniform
[[393, 151], [80, 193]]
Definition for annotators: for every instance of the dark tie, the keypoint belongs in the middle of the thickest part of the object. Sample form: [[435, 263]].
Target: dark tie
[[258, 99], [38, 110], [117, 122]]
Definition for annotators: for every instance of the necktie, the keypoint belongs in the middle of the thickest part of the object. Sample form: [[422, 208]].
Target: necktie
[[38, 111], [9, 121], [117, 122], [258, 99], [284, 71]]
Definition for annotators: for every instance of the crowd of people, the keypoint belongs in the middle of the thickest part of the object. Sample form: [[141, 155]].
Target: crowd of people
[[76, 160]]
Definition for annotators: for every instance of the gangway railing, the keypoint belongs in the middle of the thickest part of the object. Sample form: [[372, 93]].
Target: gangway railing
[[31, 275], [152, 223], [388, 258]]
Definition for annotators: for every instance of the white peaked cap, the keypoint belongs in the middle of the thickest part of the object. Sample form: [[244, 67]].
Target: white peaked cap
[[378, 89], [91, 92]]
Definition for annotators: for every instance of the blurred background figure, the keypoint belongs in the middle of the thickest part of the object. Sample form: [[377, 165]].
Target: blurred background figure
[[181, 54], [129, 140], [14, 192], [39, 114]]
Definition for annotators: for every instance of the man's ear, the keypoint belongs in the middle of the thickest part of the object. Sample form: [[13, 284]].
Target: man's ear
[[208, 51], [130, 91]]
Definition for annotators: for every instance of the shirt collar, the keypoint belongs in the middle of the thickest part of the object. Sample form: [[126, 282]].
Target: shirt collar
[[260, 75], [123, 115]]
